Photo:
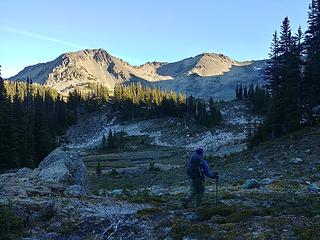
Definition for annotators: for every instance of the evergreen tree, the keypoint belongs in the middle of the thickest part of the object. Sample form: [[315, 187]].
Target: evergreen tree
[[43, 141], [311, 83], [272, 75], [137, 102], [19, 128], [284, 81], [98, 169], [251, 91], [245, 93], [104, 142], [33, 116], [240, 92], [290, 64], [110, 140], [214, 113], [191, 110], [8, 155]]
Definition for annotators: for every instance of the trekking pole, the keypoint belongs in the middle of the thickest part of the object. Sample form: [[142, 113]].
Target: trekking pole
[[216, 191]]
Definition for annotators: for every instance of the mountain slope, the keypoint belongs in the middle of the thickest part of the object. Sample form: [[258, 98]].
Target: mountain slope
[[220, 83], [204, 65], [204, 75]]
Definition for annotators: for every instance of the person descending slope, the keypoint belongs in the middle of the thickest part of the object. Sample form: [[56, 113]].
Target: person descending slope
[[197, 169]]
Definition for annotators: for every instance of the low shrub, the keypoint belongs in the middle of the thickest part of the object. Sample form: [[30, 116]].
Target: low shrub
[[148, 212], [206, 212], [10, 223], [308, 233], [153, 168]]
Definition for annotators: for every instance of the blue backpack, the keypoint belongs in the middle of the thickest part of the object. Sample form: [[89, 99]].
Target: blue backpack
[[194, 169]]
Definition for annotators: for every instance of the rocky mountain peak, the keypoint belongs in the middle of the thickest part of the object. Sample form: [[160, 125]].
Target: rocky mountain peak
[[86, 68]]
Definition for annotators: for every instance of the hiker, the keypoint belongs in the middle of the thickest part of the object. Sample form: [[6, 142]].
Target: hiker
[[197, 169]]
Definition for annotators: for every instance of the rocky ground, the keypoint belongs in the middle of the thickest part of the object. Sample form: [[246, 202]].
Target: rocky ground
[[170, 132], [269, 192], [54, 202]]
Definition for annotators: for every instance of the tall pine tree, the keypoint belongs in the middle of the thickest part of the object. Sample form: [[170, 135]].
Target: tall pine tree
[[8, 154], [311, 83], [284, 81]]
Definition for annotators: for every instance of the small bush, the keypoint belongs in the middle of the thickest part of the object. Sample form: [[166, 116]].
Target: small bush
[[183, 228], [146, 197], [142, 197], [239, 216], [114, 172], [10, 223], [67, 227], [153, 168], [206, 213], [231, 214], [200, 231], [148, 212], [310, 233], [179, 229], [98, 169]]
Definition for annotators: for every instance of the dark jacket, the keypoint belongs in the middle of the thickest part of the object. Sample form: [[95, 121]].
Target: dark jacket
[[203, 165]]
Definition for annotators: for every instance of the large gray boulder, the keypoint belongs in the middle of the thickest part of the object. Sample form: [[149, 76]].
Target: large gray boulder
[[250, 184], [296, 161], [314, 187], [62, 167], [75, 191], [267, 181], [59, 171]]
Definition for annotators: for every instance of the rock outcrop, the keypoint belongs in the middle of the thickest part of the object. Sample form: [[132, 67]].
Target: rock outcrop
[[60, 171], [55, 196], [62, 167], [250, 184], [296, 161]]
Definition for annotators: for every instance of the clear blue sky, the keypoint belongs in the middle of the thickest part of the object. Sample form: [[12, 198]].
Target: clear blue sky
[[33, 31]]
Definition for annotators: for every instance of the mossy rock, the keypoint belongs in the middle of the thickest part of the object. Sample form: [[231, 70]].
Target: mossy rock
[[147, 212]]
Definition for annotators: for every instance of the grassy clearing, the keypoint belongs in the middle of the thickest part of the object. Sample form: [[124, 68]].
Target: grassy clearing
[[143, 197], [138, 181], [106, 164], [148, 174], [265, 213]]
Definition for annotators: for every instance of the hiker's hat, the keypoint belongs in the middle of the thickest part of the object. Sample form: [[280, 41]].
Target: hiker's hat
[[199, 151]]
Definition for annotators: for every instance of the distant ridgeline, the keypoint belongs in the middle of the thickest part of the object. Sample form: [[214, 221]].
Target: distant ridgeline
[[141, 102]]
